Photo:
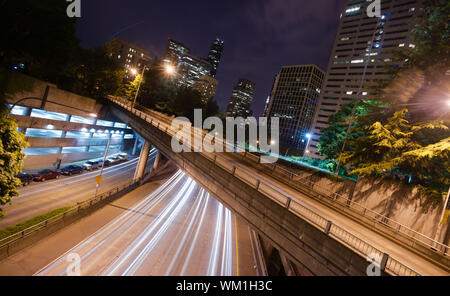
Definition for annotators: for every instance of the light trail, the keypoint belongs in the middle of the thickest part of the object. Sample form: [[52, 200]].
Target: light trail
[[169, 232]]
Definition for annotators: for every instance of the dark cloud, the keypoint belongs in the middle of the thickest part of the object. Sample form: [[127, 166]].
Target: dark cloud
[[260, 36]]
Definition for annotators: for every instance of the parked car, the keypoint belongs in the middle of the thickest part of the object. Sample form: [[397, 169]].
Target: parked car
[[107, 163], [123, 156], [114, 160], [72, 170], [25, 178], [46, 175], [91, 165]]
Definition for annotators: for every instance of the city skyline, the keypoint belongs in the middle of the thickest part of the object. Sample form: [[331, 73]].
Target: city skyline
[[250, 51]]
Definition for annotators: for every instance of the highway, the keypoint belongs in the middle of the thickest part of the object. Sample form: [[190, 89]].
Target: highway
[[178, 229], [42, 197]]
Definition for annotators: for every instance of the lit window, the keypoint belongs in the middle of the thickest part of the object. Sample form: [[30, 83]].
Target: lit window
[[349, 92], [77, 135], [97, 148], [19, 110], [401, 45], [357, 61], [43, 133], [100, 135], [129, 136], [48, 115], [79, 119], [364, 93], [67, 150], [41, 151], [105, 123], [120, 125], [412, 45]]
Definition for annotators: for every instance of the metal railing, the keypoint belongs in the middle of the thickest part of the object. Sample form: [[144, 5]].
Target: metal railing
[[5, 242], [163, 123]]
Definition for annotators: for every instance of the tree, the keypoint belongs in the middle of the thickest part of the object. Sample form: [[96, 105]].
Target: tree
[[12, 144], [185, 101], [37, 37], [404, 128], [129, 89], [158, 88], [401, 148], [332, 137]]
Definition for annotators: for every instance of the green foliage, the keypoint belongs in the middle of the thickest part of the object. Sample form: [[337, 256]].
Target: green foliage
[[11, 159], [13, 229], [129, 89], [160, 91], [92, 73], [37, 34], [399, 147], [403, 129]]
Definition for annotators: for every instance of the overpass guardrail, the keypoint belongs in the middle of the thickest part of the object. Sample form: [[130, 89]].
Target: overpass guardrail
[[387, 263]]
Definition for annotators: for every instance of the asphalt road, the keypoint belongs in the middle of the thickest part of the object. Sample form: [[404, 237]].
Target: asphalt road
[[42, 197], [177, 229]]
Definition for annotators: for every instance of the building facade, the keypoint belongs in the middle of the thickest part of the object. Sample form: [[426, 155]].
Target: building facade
[[215, 54], [293, 100], [175, 51], [190, 69], [65, 127], [207, 87], [359, 54], [129, 55], [241, 99]]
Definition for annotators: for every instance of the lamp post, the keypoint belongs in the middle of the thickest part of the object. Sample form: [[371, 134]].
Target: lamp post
[[443, 220], [308, 135], [99, 177], [170, 70], [134, 71]]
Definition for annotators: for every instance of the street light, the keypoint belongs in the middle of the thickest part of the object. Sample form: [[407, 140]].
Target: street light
[[134, 72], [170, 69], [308, 136]]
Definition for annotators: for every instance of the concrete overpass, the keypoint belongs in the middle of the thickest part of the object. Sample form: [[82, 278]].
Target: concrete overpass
[[319, 239]]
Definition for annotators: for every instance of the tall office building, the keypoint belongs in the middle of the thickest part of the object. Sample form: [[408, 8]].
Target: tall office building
[[207, 87], [128, 54], [241, 99], [362, 40], [175, 51], [190, 69], [293, 100], [215, 54]]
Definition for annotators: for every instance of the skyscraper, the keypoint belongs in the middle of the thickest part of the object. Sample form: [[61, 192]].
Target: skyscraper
[[215, 54], [293, 100], [128, 54], [175, 51], [191, 68], [241, 99], [360, 50]]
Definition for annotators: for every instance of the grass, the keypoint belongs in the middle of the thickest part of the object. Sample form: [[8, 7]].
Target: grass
[[10, 230]]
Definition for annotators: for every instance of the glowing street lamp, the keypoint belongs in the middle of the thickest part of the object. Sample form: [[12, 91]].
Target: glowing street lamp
[[170, 69], [308, 136]]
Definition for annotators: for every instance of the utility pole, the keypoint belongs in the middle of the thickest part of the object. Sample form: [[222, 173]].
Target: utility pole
[[99, 178]]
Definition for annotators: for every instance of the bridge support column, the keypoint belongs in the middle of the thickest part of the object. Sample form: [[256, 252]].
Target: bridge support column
[[140, 169]]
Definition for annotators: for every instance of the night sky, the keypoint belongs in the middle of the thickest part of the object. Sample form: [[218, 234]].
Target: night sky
[[260, 35]]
